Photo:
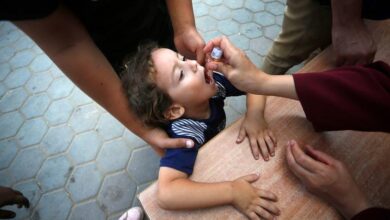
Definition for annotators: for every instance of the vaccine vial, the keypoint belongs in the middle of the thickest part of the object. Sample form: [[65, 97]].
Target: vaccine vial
[[216, 54]]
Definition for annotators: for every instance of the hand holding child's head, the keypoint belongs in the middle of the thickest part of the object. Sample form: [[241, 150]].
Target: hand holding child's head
[[253, 202]]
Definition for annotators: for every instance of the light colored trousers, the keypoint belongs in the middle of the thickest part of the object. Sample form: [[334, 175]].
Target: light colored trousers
[[306, 27]]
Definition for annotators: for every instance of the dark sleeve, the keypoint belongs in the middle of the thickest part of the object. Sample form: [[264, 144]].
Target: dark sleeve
[[373, 213], [22, 10], [230, 90], [182, 159], [347, 98]]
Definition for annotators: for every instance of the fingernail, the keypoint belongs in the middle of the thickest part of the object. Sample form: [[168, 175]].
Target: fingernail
[[189, 144], [293, 142], [266, 158], [272, 154]]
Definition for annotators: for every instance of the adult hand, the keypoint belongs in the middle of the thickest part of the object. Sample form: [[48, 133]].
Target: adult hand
[[353, 44], [326, 177], [190, 44], [159, 140], [9, 196], [235, 65]]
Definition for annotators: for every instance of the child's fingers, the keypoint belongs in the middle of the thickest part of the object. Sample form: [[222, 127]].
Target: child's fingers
[[270, 145], [267, 195], [263, 149], [262, 213], [269, 206], [272, 136], [252, 216]]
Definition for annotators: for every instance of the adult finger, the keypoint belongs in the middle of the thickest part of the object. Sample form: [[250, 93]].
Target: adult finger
[[319, 155], [305, 160], [250, 178], [200, 56], [4, 214], [296, 168], [215, 42], [219, 67], [177, 143]]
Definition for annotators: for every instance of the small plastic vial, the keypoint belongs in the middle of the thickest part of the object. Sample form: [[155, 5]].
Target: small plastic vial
[[216, 54]]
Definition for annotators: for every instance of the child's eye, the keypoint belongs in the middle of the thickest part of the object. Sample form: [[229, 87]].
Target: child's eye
[[181, 75]]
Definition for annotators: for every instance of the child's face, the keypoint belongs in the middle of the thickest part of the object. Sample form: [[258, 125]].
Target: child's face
[[185, 81]]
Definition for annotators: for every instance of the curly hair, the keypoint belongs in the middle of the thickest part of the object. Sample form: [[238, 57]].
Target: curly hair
[[146, 100]]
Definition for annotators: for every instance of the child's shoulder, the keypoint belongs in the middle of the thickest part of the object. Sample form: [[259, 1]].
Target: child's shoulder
[[188, 128]]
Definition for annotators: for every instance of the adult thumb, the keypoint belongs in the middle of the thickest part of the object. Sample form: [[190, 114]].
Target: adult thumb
[[178, 143], [5, 214]]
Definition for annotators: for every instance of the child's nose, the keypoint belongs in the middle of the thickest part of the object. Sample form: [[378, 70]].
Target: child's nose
[[193, 65]]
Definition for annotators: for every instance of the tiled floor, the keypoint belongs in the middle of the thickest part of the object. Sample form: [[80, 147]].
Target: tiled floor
[[70, 157]]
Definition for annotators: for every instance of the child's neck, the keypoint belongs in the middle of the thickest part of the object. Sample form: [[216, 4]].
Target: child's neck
[[198, 112]]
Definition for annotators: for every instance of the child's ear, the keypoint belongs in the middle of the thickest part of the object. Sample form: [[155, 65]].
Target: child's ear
[[174, 111]]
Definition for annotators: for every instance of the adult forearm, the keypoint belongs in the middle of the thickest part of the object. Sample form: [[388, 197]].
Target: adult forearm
[[182, 15], [186, 194]]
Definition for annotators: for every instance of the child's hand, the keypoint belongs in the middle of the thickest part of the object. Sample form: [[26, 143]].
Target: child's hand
[[260, 137], [254, 203]]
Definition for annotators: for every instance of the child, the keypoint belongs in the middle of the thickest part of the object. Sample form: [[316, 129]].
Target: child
[[166, 90]]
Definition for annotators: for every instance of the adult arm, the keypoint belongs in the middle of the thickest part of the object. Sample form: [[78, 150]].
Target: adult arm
[[187, 39], [68, 44], [8, 197], [351, 41]]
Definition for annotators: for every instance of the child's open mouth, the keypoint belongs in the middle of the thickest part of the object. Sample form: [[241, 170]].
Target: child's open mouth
[[208, 76]]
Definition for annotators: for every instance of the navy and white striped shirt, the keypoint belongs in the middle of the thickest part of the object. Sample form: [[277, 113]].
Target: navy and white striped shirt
[[200, 131]]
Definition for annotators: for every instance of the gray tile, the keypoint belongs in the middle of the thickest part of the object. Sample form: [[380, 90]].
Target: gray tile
[[35, 105], [9, 37], [211, 35], [87, 211], [240, 41], [116, 193], [31, 132], [264, 18], [60, 88], [55, 71], [109, 127], [144, 164], [254, 57], [41, 63], [242, 15], [13, 99], [85, 147], [251, 30], [113, 156], [23, 43], [6, 53], [3, 89], [200, 9], [26, 164], [39, 82], [10, 123], [275, 8], [5, 69], [17, 77], [84, 182], [213, 2], [8, 150], [234, 4], [54, 173], [21, 58], [271, 32], [254, 5], [57, 139], [231, 115], [132, 140], [220, 12], [30, 190], [78, 97], [53, 205], [261, 45], [84, 118], [228, 27], [59, 112], [6, 179], [206, 24], [238, 103]]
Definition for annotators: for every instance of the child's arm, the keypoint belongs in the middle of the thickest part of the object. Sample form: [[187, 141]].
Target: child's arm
[[176, 191], [256, 129]]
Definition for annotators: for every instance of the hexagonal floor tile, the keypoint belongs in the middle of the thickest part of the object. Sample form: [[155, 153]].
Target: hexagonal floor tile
[[31, 131], [113, 156], [57, 139], [144, 164], [59, 111], [10, 123], [8, 150], [54, 173], [26, 163], [49, 208], [85, 147], [35, 105], [84, 182], [84, 117], [109, 127], [116, 193], [88, 210]]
